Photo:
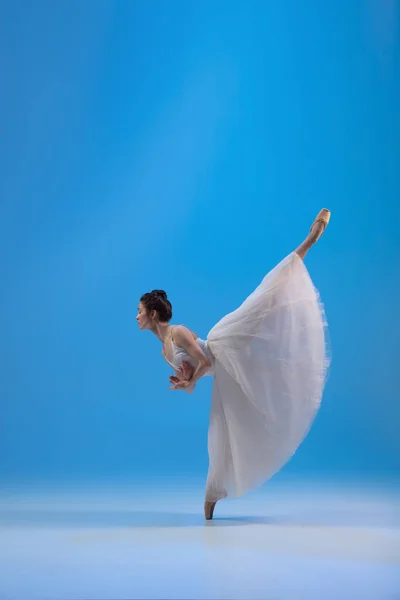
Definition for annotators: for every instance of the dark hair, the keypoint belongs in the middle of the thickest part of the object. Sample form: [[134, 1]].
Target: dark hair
[[157, 300]]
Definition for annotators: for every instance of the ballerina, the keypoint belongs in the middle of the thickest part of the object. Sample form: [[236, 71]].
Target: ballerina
[[269, 362]]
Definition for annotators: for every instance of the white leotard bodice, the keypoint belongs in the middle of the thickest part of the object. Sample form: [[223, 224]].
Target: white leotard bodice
[[179, 355]]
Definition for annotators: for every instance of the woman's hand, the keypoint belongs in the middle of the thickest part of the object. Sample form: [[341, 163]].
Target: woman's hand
[[181, 381], [184, 373], [178, 384], [186, 370]]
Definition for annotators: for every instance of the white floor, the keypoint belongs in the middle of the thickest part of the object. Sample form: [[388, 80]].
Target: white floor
[[283, 542]]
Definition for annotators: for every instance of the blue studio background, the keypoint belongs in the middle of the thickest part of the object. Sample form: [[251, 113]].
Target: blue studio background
[[188, 146]]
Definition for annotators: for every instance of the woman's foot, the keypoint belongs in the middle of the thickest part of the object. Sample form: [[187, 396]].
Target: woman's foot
[[209, 509], [323, 217], [317, 229]]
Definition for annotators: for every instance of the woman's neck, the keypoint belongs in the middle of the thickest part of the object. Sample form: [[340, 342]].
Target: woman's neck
[[162, 331]]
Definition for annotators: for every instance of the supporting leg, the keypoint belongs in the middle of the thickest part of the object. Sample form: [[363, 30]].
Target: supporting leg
[[209, 509]]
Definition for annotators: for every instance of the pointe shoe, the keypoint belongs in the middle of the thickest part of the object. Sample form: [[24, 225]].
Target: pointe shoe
[[323, 216], [209, 509]]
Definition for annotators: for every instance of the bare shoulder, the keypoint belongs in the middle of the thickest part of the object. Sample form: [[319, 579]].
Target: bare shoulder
[[181, 333]]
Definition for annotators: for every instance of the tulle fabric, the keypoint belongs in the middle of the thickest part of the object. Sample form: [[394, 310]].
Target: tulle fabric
[[271, 358]]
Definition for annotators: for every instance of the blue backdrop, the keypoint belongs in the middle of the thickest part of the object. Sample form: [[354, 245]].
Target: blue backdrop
[[188, 146]]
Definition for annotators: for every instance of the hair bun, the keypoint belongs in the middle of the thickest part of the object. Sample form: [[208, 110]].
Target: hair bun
[[160, 294], [157, 300]]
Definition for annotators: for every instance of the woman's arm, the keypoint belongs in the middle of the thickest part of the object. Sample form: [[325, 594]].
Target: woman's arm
[[187, 370], [184, 339], [184, 373]]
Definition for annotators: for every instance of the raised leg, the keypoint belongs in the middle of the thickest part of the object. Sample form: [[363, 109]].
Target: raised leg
[[317, 229]]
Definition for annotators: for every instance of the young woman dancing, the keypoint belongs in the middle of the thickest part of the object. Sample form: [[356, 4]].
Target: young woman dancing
[[269, 361]]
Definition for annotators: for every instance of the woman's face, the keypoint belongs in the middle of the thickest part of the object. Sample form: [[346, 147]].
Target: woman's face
[[143, 319]]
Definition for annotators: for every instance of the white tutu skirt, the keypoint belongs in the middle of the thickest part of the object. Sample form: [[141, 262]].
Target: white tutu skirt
[[270, 368]]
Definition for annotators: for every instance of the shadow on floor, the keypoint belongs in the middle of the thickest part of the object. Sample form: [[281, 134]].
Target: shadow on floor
[[85, 518], [103, 519]]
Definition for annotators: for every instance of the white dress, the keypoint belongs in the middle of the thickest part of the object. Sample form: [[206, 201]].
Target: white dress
[[269, 362]]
